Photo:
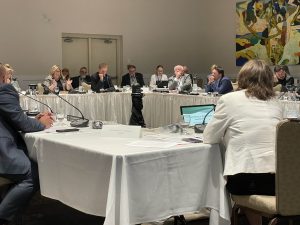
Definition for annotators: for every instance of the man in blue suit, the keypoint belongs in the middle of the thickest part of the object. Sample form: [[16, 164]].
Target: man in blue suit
[[217, 82], [14, 162]]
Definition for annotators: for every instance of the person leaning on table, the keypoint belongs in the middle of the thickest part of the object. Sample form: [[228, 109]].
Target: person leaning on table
[[246, 121], [218, 82], [180, 81], [14, 162], [55, 79]]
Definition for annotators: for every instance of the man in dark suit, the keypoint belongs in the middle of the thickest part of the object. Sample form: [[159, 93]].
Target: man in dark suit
[[217, 82], [132, 77], [83, 77], [101, 80], [14, 162]]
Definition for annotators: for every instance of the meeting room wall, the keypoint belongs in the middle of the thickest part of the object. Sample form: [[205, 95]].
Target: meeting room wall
[[220, 37], [154, 32]]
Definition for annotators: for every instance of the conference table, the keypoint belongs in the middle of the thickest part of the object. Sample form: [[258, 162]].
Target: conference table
[[130, 180], [160, 109]]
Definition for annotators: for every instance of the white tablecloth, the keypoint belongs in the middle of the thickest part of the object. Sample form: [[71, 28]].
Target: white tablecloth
[[129, 185], [159, 109]]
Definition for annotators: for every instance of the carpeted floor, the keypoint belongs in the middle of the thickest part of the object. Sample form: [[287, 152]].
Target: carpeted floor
[[44, 211]]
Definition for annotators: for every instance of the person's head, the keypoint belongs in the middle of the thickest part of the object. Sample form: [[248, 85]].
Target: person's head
[[280, 72], [185, 69], [65, 72], [9, 73], [256, 78], [55, 72], [3, 72], [131, 69], [83, 71], [217, 73], [103, 68], [159, 70], [178, 70]]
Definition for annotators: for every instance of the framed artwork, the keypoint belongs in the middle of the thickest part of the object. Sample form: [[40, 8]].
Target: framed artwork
[[268, 30]]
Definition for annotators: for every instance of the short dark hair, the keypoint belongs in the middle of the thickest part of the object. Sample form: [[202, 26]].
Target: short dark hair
[[256, 77], [159, 66], [129, 66], [277, 68], [220, 70], [83, 68]]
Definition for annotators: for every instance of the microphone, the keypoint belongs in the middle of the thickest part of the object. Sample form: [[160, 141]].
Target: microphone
[[80, 121], [36, 101], [199, 128]]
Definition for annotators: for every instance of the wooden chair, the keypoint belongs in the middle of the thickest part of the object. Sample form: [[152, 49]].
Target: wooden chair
[[286, 204]]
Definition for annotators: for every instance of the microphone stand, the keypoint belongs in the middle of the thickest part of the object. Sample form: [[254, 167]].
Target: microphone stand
[[36, 101], [79, 121]]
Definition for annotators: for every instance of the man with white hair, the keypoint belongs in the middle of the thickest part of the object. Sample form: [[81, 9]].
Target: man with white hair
[[180, 81], [15, 164]]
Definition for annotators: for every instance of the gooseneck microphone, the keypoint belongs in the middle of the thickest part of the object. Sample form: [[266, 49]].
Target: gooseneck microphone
[[42, 103], [79, 121], [203, 122], [199, 128]]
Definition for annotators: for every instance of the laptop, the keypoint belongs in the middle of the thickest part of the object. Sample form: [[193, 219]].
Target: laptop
[[199, 114], [162, 84]]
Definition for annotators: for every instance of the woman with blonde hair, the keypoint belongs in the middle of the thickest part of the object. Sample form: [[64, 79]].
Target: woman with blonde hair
[[55, 79], [246, 122]]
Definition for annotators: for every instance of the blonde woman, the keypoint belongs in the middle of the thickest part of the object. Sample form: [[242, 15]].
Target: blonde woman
[[55, 79]]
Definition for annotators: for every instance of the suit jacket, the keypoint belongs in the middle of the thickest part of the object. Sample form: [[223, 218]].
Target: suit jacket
[[222, 86], [97, 84], [184, 85], [247, 126], [13, 151], [76, 80], [126, 79]]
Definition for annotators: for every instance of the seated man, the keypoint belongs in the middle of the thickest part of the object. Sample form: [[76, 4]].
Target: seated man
[[101, 80], [282, 76], [132, 77], [180, 81], [83, 77], [15, 164], [217, 82]]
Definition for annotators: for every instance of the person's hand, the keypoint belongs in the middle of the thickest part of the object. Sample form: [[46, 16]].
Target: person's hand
[[53, 85], [46, 120], [69, 84], [44, 114], [275, 79], [101, 76], [211, 79]]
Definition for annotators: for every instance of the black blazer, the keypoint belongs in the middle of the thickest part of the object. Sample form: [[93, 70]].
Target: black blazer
[[97, 84], [126, 79], [13, 150], [75, 80]]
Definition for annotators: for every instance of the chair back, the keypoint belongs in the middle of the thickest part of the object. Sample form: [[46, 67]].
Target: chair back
[[288, 168]]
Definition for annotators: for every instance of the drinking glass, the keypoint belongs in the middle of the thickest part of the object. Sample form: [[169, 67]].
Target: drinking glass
[[184, 121]]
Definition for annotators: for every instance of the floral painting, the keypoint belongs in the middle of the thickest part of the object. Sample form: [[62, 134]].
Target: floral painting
[[268, 30]]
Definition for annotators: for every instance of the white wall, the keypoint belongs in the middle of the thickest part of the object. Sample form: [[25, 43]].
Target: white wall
[[154, 32]]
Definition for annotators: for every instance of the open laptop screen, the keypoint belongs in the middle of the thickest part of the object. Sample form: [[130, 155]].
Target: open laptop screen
[[199, 114]]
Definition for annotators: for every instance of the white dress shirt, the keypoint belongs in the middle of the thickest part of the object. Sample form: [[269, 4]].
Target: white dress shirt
[[155, 78], [247, 126]]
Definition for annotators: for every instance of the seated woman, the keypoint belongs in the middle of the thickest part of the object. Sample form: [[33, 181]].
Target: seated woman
[[55, 79], [158, 76], [246, 121]]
